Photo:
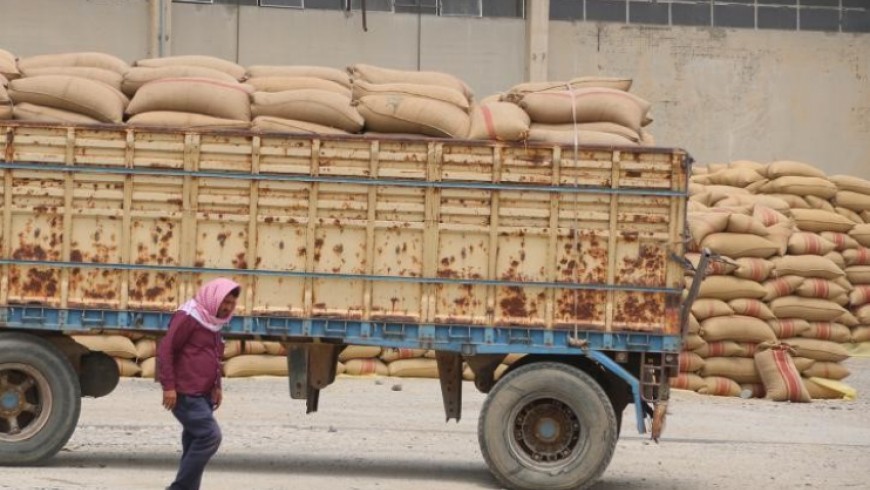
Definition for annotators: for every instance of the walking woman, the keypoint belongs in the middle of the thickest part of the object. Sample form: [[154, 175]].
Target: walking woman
[[189, 368]]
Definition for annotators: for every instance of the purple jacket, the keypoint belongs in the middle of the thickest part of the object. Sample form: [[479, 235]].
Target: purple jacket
[[189, 357]]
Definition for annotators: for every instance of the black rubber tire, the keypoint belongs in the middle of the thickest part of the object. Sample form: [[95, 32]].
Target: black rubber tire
[[63, 383], [574, 389]]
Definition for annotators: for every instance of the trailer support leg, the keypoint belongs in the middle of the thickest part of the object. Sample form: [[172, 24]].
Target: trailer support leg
[[450, 374], [312, 368]]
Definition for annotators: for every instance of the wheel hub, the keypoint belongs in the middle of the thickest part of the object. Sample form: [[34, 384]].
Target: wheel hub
[[25, 402], [547, 430], [10, 402]]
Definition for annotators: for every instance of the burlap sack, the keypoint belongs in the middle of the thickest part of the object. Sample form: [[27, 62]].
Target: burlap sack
[[283, 84], [861, 234], [321, 72], [693, 341], [834, 332], [146, 348], [816, 202], [818, 350], [806, 266], [754, 269], [820, 288], [837, 259], [784, 168], [736, 328], [309, 105], [185, 120], [727, 288], [138, 76], [694, 324], [801, 186], [499, 121], [389, 354], [448, 95], [109, 77], [518, 91], [858, 274], [232, 348], [149, 368], [769, 216], [584, 138], [810, 309], [722, 267], [366, 367], [779, 375], [275, 348], [414, 115], [703, 224], [751, 307], [841, 241], [689, 362], [848, 320], [245, 366], [739, 369], [860, 295], [704, 308], [739, 245], [862, 313], [80, 95], [9, 65], [111, 345], [737, 177], [851, 184], [827, 370], [721, 192], [719, 386], [804, 243], [586, 105], [375, 74], [414, 368], [820, 392], [91, 60], [860, 334], [722, 348], [818, 221], [686, 381], [850, 215], [752, 165], [228, 67], [741, 223], [596, 127], [226, 100], [279, 125], [786, 328], [781, 286], [127, 368], [858, 256], [794, 202], [253, 347]]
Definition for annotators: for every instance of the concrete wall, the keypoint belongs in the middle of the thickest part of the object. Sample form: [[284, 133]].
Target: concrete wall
[[721, 94], [737, 94]]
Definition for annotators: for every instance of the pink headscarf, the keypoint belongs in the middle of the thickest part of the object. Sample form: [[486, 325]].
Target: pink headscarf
[[204, 306]]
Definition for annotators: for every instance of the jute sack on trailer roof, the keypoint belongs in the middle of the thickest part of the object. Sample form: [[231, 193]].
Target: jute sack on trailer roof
[[322, 72], [517, 92], [581, 137], [598, 127], [37, 113], [413, 115], [361, 88], [737, 177], [8, 65], [281, 125], [136, 77], [499, 121], [109, 77], [187, 120], [586, 105], [227, 100], [779, 375], [228, 67], [80, 95], [784, 168], [310, 105], [852, 184], [283, 84], [86, 59], [375, 74]]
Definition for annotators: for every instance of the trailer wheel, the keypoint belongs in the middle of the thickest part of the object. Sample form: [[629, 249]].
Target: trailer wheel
[[547, 426], [40, 399]]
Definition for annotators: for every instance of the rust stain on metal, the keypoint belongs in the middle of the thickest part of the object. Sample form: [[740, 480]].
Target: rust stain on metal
[[222, 238], [645, 269], [338, 249], [640, 308], [240, 262]]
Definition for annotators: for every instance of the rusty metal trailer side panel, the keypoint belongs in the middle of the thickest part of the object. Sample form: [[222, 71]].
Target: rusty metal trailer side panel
[[413, 231]]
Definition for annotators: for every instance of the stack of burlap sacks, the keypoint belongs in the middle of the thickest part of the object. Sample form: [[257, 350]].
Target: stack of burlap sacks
[[136, 354], [794, 278], [202, 92]]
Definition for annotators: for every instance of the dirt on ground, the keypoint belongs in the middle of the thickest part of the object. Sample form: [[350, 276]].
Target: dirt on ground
[[389, 434]]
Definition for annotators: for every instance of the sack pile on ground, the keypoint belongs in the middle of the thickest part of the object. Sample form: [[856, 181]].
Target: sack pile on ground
[[207, 93], [789, 295]]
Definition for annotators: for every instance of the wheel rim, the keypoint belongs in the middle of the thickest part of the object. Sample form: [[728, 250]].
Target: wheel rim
[[545, 431], [25, 402]]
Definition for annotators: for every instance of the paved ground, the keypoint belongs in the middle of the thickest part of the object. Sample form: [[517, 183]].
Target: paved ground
[[368, 436]]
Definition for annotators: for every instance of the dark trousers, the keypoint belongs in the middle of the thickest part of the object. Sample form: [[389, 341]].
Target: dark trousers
[[200, 440]]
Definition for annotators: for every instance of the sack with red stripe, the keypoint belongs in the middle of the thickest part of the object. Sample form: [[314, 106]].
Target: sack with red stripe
[[803, 243], [820, 288], [500, 121], [781, 286], [687, 381], [827, 370], [768, 216], [719, 386], [786, 328], [778, 373], [857, 256], [754, 269], [834, 332], [690, 362], [751, 307], [860, 334], [860, 295], [841, 241], [705, 308], [722, 348]]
